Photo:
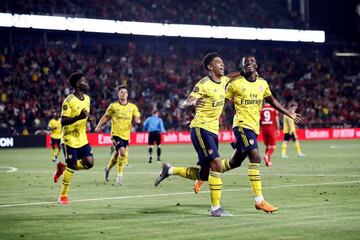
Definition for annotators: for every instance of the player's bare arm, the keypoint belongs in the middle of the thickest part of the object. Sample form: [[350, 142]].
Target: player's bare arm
[[193, 101], [104, 119], [275, 104], [68, 120]]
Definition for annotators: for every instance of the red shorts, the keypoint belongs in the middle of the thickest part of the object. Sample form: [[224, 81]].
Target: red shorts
[[269, 136]]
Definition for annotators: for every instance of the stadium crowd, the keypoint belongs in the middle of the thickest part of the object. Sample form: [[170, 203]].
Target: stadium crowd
[[271, 13], [33, 80]]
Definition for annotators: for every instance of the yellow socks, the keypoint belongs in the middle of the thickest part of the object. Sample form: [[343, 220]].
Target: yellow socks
[[80, 165], [189, 173], [112, 161], [254, 177], [297, 147], [215, 184], [283, 149], [120, 165], [126, 161], [68, 174], [225, 165]]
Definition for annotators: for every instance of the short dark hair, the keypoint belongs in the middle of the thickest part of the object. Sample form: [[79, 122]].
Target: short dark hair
[[208, 58], [122, 87], [74, 78]]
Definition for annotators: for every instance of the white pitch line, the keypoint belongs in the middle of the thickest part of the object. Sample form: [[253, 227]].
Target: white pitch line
[[10, 169], [173, 194]]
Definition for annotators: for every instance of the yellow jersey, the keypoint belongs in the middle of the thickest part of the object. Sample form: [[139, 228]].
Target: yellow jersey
[[289, 125], [207, 116], [121, 118], [74, 135], [248, 99], [55, 125]]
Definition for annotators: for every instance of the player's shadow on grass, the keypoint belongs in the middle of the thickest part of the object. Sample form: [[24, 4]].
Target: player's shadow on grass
[[188, 209]]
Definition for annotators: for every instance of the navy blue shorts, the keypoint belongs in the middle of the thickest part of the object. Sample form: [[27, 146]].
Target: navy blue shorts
[[288, 137], [74, 154], [245, 139], [118, 142], [55, 142], [206, 145]]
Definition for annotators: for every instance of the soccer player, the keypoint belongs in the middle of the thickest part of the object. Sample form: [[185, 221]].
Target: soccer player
[[269, 128], [74, 116], [54, 126], [122, 113], [155, 126], [248, 92], [208, 97], [290, 133]]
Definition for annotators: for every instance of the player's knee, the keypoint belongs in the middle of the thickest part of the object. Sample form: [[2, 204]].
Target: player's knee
[[70, 163], [89, 163]]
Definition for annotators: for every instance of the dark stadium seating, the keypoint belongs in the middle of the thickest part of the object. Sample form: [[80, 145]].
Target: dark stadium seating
[[246, 13], [160, 72]]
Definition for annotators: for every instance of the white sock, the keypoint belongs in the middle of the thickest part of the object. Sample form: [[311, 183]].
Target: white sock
[[259, 198], [171, 171], [214, 208]]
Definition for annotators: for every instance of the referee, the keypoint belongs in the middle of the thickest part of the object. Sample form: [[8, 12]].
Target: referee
[[155, 126]]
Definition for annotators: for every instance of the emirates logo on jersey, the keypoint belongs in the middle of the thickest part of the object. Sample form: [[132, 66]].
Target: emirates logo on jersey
[[261, 88]]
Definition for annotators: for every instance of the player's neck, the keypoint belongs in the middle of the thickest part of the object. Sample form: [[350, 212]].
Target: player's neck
[[79, 94], [251, 77], [214, 78], [123, 102]]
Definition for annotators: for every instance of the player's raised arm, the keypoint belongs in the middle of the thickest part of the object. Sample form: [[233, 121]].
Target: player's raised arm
[[275, 104]]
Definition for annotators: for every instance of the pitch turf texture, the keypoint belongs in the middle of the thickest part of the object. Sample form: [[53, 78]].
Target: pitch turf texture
[[317, 196]]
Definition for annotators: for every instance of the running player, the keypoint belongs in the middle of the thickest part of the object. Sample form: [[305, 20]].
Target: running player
[[122, 113]]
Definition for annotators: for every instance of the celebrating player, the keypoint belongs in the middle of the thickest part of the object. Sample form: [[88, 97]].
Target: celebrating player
[[122, 113], [208, 96], [248, 92], [77, 150]]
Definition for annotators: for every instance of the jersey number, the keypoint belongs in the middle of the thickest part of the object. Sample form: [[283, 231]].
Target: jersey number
[[267, 116]]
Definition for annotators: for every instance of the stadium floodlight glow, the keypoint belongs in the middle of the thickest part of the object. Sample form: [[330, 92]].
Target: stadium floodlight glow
[[347, 54], [312, 36], [188, 30], [158, 29], [140, 28], [278, 34], [6, 19]]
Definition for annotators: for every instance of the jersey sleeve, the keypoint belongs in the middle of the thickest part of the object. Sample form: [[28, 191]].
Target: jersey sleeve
[[267, 92], [109, 110], [136, 112], [198, 91], [66, 109]]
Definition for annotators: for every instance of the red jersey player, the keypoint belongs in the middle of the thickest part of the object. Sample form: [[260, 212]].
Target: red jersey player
[[269, 122]]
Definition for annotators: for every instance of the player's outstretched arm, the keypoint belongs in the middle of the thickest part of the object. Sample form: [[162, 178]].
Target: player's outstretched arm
[[102, 121], [193, 101], [275, 104]]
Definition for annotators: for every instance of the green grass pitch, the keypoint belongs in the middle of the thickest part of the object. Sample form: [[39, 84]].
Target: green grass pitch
[[318, 197]]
